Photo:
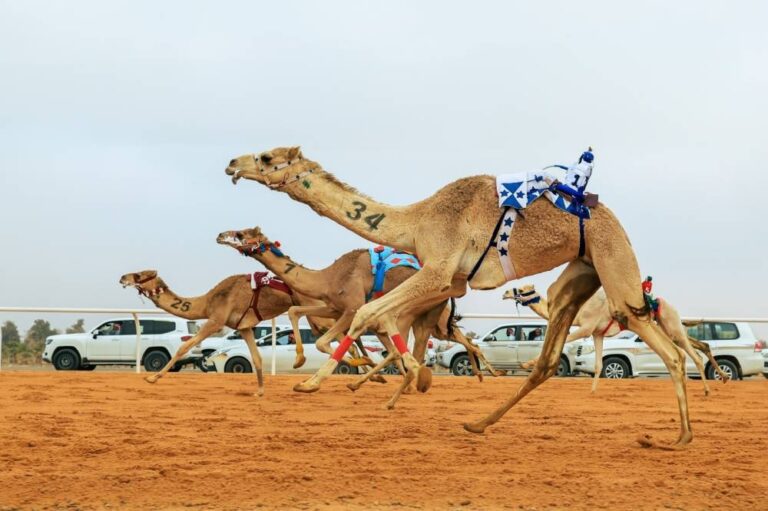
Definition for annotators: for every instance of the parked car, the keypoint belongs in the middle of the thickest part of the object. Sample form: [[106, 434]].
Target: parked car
[[765, 358], [237, 359], [506, 346], [113, 342], [733, 345], [213, 344]]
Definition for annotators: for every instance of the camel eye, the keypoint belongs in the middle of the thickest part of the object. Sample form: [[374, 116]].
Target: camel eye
[[266, 158], [239, 236]]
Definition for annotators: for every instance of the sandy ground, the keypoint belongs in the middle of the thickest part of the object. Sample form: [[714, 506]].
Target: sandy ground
[[202, 441]]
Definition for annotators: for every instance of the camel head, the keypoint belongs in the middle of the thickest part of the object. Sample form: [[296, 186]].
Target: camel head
[[523, 295], [275, 168], [146, 282], [249, 241], [138, 279]]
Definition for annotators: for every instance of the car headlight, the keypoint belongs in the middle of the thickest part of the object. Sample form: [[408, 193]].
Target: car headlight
[[223, 351], [48, 341]]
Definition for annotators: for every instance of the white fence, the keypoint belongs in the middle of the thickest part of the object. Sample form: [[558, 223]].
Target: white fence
[[135, 314]]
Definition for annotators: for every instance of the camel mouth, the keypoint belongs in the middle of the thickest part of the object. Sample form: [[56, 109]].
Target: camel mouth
[[235, 173]]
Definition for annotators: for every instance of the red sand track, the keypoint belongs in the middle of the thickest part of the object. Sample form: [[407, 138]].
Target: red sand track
[[96, 440]]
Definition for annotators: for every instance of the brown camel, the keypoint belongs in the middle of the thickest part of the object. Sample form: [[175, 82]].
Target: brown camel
[[229, 303], [451, 232], [594, 319], [343, 287]]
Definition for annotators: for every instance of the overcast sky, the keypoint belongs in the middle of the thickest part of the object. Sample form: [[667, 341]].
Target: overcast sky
[[117, 120]]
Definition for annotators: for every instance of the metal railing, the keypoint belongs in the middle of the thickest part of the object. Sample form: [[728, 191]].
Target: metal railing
[[135, 314]]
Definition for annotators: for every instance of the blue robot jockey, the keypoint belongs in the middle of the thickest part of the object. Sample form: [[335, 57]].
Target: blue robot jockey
[[576, 177]]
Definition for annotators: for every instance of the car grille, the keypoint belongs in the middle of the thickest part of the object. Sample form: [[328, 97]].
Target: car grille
[[578, 351]]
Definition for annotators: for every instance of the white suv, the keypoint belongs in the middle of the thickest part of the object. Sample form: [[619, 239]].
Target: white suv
[[236, 358], [734, 346], [506, 347], [114, 343]]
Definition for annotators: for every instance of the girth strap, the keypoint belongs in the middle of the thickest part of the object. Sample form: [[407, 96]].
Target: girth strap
[[491, 243]]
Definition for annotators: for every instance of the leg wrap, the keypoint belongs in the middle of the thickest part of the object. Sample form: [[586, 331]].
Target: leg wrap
[[399, 343], [342, 349]]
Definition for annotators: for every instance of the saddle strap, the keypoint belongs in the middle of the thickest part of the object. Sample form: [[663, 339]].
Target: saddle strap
[[490, 244], [254, 304]]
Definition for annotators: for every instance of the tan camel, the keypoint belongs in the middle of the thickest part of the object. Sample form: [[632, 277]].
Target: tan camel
[[451, 230], [343, 287], [594, 319], [229, 303]]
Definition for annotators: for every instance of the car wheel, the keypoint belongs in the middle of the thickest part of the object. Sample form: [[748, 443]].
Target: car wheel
[[728, 367], [391, 369], [155, 360], [461, 366], [344, 368], [200, 364], [563, 369], [87, 368], [615, 368], [66, 360], [238, 365], [176, 367]]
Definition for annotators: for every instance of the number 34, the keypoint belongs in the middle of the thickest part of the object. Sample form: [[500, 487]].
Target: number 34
[[373, 221]]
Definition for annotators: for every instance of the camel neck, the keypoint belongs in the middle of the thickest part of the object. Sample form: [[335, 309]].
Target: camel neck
[[183, 307], [377, 222], [305, 281], [540, 308]]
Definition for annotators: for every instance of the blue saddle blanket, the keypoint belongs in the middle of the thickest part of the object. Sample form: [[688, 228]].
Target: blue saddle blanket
[[384, 259], [522, 188]]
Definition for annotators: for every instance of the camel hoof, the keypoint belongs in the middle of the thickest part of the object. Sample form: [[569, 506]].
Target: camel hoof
[[378, 378], [648, 442], [353, 386], [259, 393], [424, 379], [150, 379], [300, 359], [390, 406], [480, 377], [499, 372], [306, 388], [474, 428]]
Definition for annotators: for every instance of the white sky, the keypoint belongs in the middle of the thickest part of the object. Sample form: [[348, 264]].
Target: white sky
[[118, 118]]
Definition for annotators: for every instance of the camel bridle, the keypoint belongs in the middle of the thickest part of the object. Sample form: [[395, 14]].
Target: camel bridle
[[149, 293], [265, 169]]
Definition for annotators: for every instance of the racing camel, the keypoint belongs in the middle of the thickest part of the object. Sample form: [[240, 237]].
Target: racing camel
[[344, 287], [232, 302], [451, 231], [594, 319]]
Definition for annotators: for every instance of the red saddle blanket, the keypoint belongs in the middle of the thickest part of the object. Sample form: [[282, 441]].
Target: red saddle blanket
[[261, 279]]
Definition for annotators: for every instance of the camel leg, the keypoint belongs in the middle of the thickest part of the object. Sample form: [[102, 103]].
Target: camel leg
[[361, 359], [296, 312], [250, 341], [392, 355], [688, 349], [598, 340], [459, 337], [566, 295], [704, 348], [209, 328]]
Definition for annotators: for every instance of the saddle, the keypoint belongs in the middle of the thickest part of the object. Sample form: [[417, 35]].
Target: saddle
[[260, 280]]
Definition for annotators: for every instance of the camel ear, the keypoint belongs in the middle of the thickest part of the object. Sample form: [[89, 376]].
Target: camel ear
[[294, 152]]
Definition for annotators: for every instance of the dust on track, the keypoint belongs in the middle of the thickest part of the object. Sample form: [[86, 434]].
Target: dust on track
[[202, 441]]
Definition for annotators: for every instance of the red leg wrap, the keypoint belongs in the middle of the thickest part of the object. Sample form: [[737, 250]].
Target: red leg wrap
[[342, 349], [400, 343]]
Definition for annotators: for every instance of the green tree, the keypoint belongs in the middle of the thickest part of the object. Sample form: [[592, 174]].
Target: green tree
[[10, 333], [34, 341], [77, 328]]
